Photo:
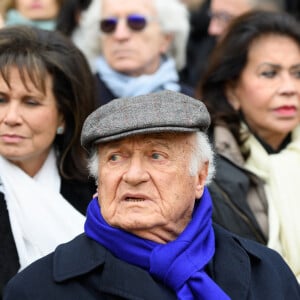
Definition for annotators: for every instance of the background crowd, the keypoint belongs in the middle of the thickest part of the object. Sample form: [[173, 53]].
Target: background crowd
[[62, 59]]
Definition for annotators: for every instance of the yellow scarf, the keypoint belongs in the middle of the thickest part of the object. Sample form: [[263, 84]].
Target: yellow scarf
[[281, 173]]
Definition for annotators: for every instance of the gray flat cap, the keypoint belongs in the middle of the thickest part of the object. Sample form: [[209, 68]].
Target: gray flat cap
[[164, 111]]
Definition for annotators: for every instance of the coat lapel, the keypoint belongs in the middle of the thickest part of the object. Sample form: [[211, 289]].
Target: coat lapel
[[112, 276], [231, 266], [230, 269], [132, 282]]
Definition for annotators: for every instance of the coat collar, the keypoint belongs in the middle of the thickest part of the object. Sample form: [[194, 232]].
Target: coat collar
[[226, 145], [117, 277], [232, 263], [230, 268]]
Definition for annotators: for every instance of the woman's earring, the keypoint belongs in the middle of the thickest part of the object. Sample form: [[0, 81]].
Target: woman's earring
[[60, 130]]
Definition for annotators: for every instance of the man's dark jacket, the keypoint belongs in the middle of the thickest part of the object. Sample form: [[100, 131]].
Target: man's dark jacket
[[83, 269]]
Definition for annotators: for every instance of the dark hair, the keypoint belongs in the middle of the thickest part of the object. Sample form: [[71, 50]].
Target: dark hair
[[229, 58], [38, 52], [68, 16]]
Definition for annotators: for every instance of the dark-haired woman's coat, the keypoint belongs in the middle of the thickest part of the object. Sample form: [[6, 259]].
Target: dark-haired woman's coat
[[239, 200]]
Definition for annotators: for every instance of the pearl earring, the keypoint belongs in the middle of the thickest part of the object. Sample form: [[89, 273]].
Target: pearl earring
[[60, 130]]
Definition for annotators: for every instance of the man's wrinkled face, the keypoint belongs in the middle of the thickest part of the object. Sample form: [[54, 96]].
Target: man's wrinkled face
[[145, 184]]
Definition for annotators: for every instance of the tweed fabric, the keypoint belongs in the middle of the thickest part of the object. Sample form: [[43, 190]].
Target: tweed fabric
[[165, 111]]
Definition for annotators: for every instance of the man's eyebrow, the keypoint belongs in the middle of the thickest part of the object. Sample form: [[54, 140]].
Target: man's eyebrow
[[151, 142], [158, 141], [110, 145]]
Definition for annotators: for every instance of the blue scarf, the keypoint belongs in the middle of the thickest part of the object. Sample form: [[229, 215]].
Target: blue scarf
[[13, 17], [179, 264], [165, 78]]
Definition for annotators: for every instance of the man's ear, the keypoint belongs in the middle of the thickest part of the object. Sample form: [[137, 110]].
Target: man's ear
[[231, 96], [201, 179], [167, 39]]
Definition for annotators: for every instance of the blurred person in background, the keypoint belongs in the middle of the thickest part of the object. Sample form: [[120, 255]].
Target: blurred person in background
[[153, 41], [157, 43], [200, 43], [221, 12], [38, 13], [252, 91], [209, 20], [70, 14], [79, 20], [3, 9], [44, 184], [143, 45]]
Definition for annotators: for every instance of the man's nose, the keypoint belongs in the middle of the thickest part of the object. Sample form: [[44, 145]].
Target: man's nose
[[136, 171], [122, 30]]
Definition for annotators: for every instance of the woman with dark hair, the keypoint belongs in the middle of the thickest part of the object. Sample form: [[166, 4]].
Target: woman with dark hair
[[43, 171], [252, 91]]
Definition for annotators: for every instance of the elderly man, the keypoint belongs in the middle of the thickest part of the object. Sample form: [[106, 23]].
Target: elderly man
[[143, 46], [149, 234]]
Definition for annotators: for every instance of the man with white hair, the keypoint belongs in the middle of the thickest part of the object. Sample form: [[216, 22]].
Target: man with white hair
[[143, 46]]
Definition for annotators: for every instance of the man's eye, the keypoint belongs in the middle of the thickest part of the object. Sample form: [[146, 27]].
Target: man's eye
[[114, 157], [156, 155], [3, 99], [297, 74]]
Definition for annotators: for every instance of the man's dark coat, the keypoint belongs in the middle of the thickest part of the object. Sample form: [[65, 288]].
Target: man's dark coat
[[83, 269]]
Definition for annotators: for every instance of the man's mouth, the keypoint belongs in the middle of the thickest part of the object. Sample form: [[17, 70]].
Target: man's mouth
[[130, 199]]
